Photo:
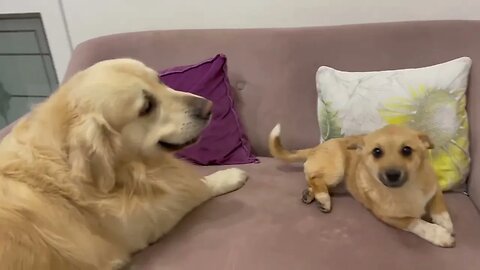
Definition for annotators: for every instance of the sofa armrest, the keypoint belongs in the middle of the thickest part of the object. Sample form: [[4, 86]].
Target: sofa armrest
[[473, 109], [474, 181], [475, 197]]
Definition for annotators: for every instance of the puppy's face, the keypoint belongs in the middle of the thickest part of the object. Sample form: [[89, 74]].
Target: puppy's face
[[149, 116], [394, 154]]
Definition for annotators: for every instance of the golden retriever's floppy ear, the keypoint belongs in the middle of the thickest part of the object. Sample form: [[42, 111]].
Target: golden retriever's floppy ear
[[93, 147], [355, 142], [426, 140]]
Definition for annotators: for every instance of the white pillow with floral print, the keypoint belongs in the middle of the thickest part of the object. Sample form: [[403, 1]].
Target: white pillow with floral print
[[430, 99]]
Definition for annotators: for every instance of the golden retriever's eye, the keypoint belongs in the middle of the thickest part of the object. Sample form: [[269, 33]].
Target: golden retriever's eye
[[148, 104], [377, 152], [407, 151]]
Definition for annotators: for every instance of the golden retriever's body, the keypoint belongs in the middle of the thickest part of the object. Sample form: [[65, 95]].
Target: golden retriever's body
[[350, 159], [84, 182]]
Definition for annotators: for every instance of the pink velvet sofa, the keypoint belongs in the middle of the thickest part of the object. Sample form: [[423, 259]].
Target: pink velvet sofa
[[264, 225]]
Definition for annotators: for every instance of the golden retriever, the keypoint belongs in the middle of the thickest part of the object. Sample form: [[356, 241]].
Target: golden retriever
[[89, 177], [387, 171]]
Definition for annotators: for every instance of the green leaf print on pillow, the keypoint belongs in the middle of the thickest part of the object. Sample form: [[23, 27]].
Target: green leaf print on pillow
[[329, 125], [441, 115]]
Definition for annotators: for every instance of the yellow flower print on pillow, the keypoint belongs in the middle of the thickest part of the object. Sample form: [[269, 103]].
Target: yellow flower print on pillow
[[441, 115], [430, 99]]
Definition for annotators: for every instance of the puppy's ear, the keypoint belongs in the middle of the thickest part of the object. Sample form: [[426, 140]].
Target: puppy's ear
[[93, 147], [427, 142], [355, 143]]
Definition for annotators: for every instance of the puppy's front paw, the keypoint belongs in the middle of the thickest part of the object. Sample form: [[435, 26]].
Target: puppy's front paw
[[441, 237], [433, 233], [443, 219], [225, 181]]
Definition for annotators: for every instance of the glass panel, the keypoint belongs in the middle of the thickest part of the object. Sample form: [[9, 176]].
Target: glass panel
[[27, 73], [24, 75], [33, 24], [18, 42], [3, 121], [50, 69], [18, 106]]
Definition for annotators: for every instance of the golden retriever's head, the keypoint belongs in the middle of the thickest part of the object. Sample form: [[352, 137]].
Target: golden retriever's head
[[393, 154], [124, 111]]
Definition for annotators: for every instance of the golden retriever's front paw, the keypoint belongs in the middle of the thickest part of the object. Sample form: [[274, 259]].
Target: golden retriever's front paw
[[225, 181], [234, 179], [120, 265]]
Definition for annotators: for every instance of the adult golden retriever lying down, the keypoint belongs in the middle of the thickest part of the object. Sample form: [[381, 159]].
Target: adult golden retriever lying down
[[88, 177]]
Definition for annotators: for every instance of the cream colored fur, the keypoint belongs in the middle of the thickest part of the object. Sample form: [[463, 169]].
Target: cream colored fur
[[84, 180]]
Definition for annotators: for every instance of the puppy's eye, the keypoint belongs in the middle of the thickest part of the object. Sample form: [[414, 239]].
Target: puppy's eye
[[148, 104], [377, 152], [406, 151]]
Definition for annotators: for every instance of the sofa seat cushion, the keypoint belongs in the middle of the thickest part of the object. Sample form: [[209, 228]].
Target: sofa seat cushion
[[265, 225]]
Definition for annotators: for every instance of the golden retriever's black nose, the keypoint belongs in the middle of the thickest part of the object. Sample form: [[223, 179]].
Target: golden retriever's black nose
[[203, 108]]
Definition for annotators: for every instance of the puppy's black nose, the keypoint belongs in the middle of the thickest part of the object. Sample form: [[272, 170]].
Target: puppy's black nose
[[202, 108], [393, 175]]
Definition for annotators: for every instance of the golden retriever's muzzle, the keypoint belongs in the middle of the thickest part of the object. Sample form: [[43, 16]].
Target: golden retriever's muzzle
[[202, 108], [200, 113]]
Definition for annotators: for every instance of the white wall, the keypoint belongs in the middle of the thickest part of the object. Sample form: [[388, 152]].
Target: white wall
[[54, 27], [86, 19], [91, 18]]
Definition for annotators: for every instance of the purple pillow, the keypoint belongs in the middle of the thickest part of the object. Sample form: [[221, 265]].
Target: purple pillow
[[223, 141]]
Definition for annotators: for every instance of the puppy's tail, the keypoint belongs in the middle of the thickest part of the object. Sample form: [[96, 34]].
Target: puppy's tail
[[277, 150]]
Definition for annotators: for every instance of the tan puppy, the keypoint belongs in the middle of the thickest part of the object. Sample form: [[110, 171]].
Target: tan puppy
[[388, 171], [88, 177]]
